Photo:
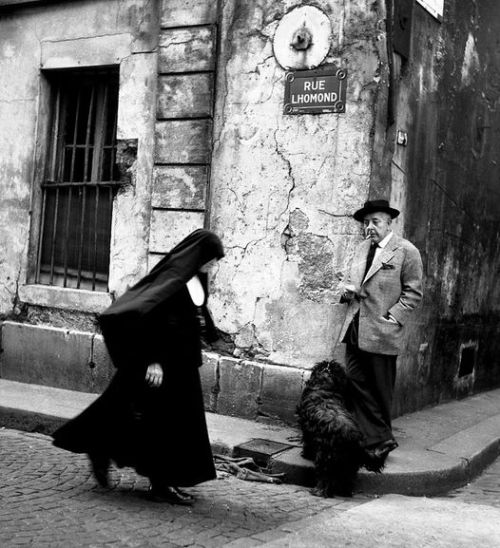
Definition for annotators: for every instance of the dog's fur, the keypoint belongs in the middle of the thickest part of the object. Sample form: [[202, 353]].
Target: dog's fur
[[330, 434]]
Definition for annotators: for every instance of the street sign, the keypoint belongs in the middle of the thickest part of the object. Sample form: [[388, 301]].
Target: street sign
[[315, 91]]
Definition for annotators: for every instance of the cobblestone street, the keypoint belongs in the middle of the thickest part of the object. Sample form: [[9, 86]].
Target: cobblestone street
[[49, 498]]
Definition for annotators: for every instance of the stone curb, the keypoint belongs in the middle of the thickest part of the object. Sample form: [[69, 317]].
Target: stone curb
[[430, 482], [29, 421], [453, 473]]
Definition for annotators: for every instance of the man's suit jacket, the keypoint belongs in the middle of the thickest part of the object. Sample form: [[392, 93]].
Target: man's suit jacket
[[392, 285]]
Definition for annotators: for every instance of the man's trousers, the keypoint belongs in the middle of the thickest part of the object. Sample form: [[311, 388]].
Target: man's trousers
[[372, 378]]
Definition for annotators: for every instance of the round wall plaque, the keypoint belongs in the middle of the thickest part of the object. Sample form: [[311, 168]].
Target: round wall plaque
[[303, 38]]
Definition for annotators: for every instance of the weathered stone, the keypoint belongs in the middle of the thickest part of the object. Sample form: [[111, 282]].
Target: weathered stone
[[209, 375], [298, 178], [281, 390], [185, 95], [154, 259], [180, 187], [240, 385], [179, 13], [310, 334], [168, 228], [68, 299], [102, 368], [282, 188], [85, 52], [145, 32], [47, 355], [183, 142], [126, 156], [131, 207], [187, 50]]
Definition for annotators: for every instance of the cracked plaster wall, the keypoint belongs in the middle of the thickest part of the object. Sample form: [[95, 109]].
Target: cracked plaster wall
[[283, 187], [63, 36]]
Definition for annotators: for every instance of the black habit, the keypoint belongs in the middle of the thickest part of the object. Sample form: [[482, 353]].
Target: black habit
[[161, 432]]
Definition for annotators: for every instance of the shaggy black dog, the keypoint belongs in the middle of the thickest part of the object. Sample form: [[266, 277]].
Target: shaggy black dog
[[330, 434]]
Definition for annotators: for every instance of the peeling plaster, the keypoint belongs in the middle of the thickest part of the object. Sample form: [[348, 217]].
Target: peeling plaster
[[283, 187], [471, 62]]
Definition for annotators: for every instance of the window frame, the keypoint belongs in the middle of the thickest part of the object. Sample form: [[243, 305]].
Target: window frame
[[52, 159]]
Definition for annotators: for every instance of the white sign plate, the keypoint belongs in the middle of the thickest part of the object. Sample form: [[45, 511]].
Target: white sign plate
[[434, 7]]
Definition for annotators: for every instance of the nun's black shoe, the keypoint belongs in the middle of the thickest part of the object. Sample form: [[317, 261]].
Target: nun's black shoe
[[100, 466], [171, 495]]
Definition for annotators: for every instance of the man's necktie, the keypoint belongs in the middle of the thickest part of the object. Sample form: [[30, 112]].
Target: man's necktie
[[369, 258]]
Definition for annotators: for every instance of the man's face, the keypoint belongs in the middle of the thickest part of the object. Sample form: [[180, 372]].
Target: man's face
[[377, 225]]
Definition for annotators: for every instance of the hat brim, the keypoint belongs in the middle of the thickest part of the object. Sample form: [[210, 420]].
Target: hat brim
[[360, 214]]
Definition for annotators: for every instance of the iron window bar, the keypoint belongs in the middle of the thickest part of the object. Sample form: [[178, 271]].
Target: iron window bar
[[77, 197]]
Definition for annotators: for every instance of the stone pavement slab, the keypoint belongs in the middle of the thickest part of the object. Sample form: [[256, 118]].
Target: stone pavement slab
[[396, 521], [440, 447], [484, 490]]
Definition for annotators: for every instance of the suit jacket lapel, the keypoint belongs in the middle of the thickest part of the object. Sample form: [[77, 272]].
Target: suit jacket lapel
[[360, 262], [384, 256]]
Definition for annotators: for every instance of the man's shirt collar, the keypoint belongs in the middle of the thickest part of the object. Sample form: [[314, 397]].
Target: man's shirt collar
[[385, 241]]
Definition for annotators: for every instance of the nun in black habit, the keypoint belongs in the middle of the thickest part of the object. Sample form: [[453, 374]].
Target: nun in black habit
[[151, 416]]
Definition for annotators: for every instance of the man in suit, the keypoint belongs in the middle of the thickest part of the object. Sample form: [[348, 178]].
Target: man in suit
[[382, 291]]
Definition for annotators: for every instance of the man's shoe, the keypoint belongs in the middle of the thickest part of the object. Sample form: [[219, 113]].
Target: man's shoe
[[374, 456], [383, 449], [100, 466], [171, 495]]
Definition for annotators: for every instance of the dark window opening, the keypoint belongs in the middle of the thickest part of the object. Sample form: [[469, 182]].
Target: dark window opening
[[81, 181], [467, 360]]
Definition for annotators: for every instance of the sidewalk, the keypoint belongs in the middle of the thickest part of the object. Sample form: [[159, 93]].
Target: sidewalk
[[439, 448]]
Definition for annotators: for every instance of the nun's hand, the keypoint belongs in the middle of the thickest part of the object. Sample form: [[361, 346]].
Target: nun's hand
[[154, 375]]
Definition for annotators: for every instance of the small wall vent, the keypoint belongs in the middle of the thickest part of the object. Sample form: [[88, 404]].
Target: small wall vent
[[467, 364]]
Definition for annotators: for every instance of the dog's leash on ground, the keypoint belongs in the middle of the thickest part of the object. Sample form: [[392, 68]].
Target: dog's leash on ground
[[245, 468]]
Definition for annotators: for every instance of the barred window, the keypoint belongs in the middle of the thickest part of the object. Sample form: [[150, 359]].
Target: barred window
[[81, 180]]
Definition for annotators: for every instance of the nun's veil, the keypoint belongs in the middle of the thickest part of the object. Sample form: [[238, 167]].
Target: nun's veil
[[126, 316]]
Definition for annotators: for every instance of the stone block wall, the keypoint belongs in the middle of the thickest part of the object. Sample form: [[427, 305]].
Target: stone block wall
[[78, 360], [51, 356], [184, 114], [250, 389]]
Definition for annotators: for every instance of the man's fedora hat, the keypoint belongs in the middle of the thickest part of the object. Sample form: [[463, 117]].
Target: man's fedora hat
[[373, 206]]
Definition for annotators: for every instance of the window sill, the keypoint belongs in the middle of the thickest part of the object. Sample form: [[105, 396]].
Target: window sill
[[67, 299]]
